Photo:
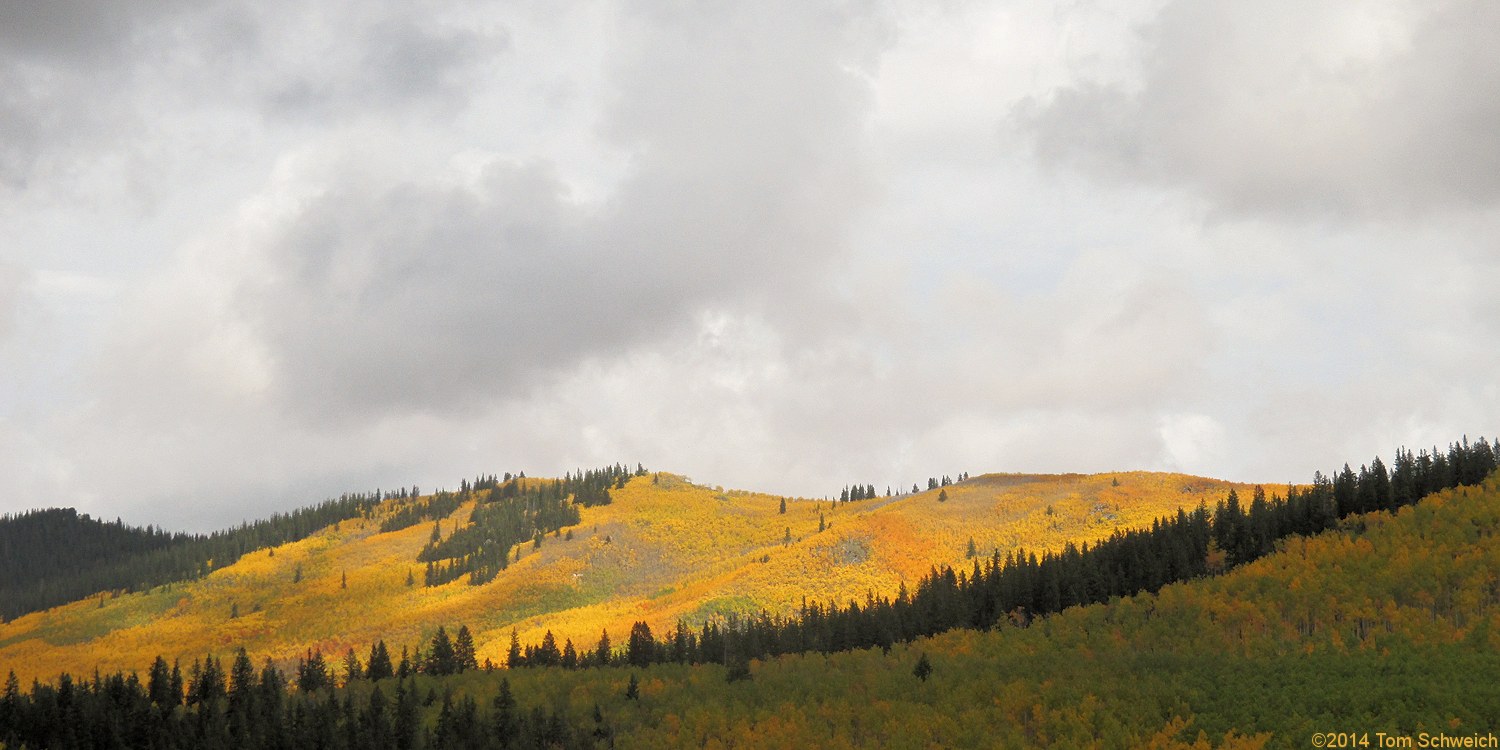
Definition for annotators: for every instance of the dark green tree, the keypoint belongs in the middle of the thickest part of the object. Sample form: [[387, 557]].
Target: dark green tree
[[441, 658], [463, 649], [923, 669], [379, 667]]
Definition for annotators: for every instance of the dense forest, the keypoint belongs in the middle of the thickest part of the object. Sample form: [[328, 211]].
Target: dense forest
[[1370, 609], [1021, 586], [509, 512], [245, 708], [55, 556]]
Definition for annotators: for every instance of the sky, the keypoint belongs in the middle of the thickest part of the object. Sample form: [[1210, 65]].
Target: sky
[[257, 254]]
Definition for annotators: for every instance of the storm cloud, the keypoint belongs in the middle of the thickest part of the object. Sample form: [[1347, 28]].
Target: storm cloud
[[263, 253]]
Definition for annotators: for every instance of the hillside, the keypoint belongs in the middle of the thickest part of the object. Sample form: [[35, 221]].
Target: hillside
[[664, 550], [1389, 624]]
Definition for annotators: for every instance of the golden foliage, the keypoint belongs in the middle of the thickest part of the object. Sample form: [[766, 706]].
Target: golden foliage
[[664, 550]]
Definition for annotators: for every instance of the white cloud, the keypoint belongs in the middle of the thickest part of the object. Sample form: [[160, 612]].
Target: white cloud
[[270, 252], [1191, 440]]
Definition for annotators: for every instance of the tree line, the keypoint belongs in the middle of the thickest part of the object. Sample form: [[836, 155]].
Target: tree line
[[55, 556], [253, 708], [510, 512], [1015, 588]]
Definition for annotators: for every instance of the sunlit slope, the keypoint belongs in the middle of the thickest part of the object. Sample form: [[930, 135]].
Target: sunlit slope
[[664, 550], [1390, 624]]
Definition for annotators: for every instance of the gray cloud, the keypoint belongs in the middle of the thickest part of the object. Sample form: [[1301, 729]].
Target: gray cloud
[[437, 295], [278, 251], [12, 288], [397, 62], [1296, 108]]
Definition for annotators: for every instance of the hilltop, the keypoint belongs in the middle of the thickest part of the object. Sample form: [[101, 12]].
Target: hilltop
[[662, 550], [1363, 604]]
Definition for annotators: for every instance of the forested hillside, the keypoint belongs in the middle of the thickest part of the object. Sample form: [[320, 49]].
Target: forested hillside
[[646, 546], [1380, 622], [54, 556]]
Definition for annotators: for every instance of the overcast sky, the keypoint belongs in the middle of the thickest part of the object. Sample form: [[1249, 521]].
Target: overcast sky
[[254, 254]]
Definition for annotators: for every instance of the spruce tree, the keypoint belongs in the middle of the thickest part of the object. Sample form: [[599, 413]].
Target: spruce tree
[[505, 724], [923, 669], [513, 656], [353, 670], [441, 660], [602, 655], [463, 650], [379, 667]]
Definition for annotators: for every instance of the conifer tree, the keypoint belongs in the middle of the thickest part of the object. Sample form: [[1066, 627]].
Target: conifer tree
[[923, 669], [513, 656], [379, 667], [353, 670], [602, 655], [441, 660], [504, 722], [463, 649]]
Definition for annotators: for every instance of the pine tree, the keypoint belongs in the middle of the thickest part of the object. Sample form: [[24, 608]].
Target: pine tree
[[158, 685], [783, 505], [513, 657], [174, 685], [923, 669], [379, 667], [403, 668], [463, 649], [312, 672], [504, 723], [602, 655], [633, 690], [943, 496], [441, 660], [353, 670], [639, 650]]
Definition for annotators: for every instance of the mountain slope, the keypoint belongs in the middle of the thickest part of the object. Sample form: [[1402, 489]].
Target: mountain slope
[[1388, 625], [663, 550]]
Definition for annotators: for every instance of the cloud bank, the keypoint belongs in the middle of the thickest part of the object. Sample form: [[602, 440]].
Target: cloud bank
[[264, 253]]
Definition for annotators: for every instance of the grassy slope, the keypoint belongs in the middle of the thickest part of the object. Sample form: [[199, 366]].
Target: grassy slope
[[1389, 625], [662, 551]]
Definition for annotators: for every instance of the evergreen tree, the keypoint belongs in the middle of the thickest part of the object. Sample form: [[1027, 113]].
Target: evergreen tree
[[312, 673], [441, 659], [923, 669], [639, 650], [379, 667], [505, 724], [463, 649], [353, 670], [403, 668], [158, 685], [513, 656], [633, 690], [602, 655]]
